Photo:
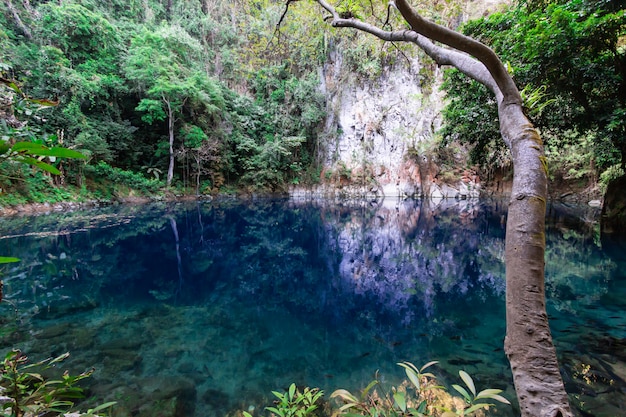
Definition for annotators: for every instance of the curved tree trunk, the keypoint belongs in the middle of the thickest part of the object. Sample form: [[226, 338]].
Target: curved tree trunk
[[528, 342]]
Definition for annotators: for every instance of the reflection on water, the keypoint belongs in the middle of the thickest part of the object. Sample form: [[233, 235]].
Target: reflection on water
[[205, 308]]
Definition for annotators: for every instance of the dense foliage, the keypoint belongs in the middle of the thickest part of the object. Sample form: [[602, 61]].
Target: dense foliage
[[203, 91], [211, 96], [569, 57]]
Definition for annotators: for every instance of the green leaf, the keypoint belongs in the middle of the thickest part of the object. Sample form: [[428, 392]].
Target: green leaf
[[422, 407], [292, 391], [44, 102], [428, 365], [4, 147], [25, 146], [476, 407], [41, 165], [274, 410], [30, 148], [468, 381], [463, 392], [59, 153], [344, 395], [487, 393], [347, 406], [499, 398], [400, 399], [103, 406], [368, 388], [8, 259], [411, 373], [11, 84]]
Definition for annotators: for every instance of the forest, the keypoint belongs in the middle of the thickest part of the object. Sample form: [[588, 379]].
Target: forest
[[207, 97], [113, 100]]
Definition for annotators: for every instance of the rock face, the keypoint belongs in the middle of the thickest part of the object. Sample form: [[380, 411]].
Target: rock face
[[614, 208], [380, 133]]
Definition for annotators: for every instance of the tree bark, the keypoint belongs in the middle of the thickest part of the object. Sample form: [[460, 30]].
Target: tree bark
[[528, 341], [18, 21], [170, 131]]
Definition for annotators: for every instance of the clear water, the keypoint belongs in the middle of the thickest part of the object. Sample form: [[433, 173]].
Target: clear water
[[203, 309]]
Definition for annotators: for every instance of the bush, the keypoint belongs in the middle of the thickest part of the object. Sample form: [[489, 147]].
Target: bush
[[610, 175], [25, 392], [419, 395], [119, 176]]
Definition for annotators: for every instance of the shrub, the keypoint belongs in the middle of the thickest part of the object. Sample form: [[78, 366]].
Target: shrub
[[118, 176]]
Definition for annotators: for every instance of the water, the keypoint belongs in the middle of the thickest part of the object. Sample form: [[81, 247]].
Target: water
[[203, 309]]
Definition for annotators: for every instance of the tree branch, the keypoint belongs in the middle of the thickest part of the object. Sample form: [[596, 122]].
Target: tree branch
[[463, 62], [466, 44]]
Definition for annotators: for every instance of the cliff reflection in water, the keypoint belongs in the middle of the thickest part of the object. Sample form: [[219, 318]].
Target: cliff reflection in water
[[210, 306], [402, 254]]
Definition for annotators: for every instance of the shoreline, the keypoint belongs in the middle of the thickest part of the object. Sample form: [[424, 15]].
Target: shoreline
[[34, 209]]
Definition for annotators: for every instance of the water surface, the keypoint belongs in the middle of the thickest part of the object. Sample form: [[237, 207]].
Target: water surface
[[205, 308]]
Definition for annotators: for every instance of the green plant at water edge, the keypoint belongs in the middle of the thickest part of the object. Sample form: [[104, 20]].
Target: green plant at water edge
[[419, 397], [294, 403], [25, 392], [471, 401]]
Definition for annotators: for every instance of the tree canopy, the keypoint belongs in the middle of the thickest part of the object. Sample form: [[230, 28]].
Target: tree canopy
[[570, 59], [137, 81]]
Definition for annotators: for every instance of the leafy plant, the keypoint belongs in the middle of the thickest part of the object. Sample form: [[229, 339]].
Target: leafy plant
[[420, 397], [294, 403], [26, 392], [472, 400], [13, 147], [119, 176], [34, 154]]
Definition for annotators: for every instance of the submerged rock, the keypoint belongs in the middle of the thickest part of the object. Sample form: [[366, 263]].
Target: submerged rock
[[53, 331]]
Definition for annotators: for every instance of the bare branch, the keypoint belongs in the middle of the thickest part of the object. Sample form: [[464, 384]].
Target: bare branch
[[465, 44], [463, 62], [280, 22]]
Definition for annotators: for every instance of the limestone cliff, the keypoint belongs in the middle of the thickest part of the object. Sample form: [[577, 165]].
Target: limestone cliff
[[380, 132]]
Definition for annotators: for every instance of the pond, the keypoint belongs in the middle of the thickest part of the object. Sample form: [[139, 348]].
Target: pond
[[205, 308]]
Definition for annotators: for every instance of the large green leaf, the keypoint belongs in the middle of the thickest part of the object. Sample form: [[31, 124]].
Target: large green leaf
[[39, 164], [400, 400], [8, 259], [463, 392], [37, 149], [468, 381], [59, 153]]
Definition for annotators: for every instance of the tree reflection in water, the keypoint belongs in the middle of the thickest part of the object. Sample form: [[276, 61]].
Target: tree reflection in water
[[230, 300]]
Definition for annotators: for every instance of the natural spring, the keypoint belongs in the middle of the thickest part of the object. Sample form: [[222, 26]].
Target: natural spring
[[204, 308]]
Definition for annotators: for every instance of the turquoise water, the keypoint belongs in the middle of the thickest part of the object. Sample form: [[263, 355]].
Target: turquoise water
[[203, 309]]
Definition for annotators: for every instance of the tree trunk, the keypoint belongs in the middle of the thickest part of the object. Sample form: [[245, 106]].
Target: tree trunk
[[170, 130], [168, 10], [18, 21], [528, 342]]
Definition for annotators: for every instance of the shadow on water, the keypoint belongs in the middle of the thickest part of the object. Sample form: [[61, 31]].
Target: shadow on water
[[205, 308]]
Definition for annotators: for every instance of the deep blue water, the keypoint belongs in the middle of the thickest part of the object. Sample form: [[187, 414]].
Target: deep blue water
[[205, 308]]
